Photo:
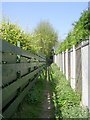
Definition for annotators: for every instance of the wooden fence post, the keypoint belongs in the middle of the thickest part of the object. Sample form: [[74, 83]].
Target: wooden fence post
[[18, 56]]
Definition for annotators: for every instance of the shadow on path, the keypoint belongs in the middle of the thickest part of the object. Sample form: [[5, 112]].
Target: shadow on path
[[48, 110]]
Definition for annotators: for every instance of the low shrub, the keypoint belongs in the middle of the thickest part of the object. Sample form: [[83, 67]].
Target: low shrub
[[66, 101]]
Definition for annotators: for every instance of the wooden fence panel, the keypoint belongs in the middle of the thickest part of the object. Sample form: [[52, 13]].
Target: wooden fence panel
[[10, 71], [19, 68], [9, 90], [9, 58], [9, 48], [0, 45], [0, 58], [11, 109]]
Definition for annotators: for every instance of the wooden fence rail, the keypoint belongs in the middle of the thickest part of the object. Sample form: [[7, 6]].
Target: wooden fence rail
[[20, 70]]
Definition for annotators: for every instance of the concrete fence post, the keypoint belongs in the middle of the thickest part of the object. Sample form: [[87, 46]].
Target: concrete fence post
[[84, 54], [54, 58], [89, 75], [66, 64], [60, 62], [73, 68], [57, 60], [63, 62]]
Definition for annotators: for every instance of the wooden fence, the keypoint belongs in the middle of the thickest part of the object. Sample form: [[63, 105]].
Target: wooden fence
[[20, 70]]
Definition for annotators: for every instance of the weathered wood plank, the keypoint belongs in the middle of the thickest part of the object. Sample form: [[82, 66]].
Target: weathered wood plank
[[4, 103], [11, 109], [23, 59], [9, 58], [0, 45], [9, 90], [0, 58], [9, 48], [9, 71], [0, 75]]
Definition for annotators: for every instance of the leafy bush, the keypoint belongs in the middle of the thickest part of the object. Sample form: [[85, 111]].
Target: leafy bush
[[66, 100], [80, 31]]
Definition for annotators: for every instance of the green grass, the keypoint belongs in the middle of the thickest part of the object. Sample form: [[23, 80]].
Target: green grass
[[66, 101], [31, 106]]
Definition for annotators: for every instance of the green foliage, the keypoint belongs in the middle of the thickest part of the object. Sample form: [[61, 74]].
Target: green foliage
[[65, 99], [81, 30], [41, 40], [35, 94], [47, 37], [13, 33]]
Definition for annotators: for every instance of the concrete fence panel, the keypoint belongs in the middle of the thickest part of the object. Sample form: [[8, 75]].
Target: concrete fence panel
[[78, 71]]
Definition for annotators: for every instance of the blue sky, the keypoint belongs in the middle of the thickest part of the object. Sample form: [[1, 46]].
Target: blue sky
[[60, 14]]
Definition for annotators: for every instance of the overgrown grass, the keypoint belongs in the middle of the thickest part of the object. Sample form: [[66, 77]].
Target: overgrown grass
[[66, 101], [31, 106]]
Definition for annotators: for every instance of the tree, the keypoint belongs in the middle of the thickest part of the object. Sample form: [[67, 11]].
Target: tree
[[46, 37]]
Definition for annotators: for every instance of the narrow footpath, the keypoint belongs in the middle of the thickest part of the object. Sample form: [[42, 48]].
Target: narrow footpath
[[47, 104]]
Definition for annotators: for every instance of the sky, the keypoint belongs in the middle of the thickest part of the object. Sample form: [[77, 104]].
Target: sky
[[60, 14]]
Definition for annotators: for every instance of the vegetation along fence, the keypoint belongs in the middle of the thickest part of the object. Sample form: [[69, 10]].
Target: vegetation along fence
[[75, 64], [19, 70]]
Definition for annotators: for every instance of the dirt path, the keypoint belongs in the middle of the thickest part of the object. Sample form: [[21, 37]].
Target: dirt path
[[47, 104]]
